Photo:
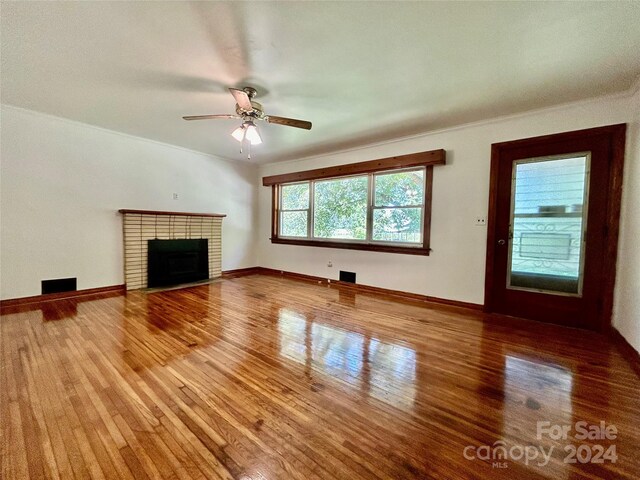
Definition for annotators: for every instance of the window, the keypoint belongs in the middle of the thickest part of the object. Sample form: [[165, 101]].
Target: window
[[294, 210], [340, 208], [398, 206], [383, 205]]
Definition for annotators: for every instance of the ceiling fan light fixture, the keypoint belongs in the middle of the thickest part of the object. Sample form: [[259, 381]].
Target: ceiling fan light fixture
[[252, 134], [248, 131], [239, 133]]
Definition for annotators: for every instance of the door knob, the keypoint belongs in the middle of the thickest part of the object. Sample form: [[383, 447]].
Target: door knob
[[501, 242]]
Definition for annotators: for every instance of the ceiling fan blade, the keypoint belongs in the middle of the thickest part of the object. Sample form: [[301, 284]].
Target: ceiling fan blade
[[242, 99], [289, 122], [208, 117]]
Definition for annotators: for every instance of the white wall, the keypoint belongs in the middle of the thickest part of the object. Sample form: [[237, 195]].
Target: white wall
[[626, 312], [455, 269], [62, 183]]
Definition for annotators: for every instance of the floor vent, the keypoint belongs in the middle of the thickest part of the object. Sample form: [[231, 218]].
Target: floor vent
[[349, 277], [59, 285]]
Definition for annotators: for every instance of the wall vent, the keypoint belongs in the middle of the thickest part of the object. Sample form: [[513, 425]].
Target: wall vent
[[349, 277], [59, 285]]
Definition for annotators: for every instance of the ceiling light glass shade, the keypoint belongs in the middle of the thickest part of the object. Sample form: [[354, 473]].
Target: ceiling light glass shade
[[238, 133], [252, 134], [249, 131]]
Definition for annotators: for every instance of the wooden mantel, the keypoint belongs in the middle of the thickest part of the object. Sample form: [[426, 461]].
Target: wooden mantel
[[183, 214]]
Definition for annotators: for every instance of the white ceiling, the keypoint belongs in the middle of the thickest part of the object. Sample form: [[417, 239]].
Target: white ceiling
[[360, 71]]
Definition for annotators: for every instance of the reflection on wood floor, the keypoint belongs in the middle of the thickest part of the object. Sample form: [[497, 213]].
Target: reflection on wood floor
[[261, 377]]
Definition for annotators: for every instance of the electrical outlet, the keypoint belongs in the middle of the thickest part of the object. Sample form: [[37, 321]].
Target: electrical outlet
[[330, 264], [175, 196], [480, 221]]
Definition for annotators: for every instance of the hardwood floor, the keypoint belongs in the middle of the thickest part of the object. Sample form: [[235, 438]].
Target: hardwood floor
[[261, 377]]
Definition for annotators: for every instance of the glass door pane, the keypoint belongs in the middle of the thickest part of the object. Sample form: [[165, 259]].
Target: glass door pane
[[547, 224]]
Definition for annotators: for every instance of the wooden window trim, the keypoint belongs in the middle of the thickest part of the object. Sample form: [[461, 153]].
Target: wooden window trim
[[422, 159]]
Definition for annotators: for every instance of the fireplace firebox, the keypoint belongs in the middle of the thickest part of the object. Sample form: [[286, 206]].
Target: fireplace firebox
[[171, 262]]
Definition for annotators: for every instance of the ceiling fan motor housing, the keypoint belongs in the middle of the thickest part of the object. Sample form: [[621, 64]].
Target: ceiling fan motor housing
[[252, 92], [257, 111]]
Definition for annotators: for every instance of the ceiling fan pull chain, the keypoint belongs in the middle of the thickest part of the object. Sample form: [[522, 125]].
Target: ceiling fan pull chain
[[244, 136]]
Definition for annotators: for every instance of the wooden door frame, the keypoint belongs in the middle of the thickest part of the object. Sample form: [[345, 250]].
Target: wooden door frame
[[617, 136]]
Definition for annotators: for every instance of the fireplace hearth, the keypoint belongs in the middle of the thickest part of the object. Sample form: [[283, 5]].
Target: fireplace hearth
[[172, 262]]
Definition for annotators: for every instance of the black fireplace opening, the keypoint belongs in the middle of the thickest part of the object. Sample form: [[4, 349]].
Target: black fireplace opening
[[171, 262]]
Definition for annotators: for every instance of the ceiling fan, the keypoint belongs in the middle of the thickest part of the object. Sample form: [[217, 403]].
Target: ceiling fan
[[249, 110]]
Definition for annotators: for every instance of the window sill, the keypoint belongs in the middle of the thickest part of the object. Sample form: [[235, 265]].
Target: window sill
[[354, 246]]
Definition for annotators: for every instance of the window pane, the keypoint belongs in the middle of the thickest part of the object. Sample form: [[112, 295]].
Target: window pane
[[399, 189], [295, 197], [340, 208], [293, 224], [548, 218], [397, 225]]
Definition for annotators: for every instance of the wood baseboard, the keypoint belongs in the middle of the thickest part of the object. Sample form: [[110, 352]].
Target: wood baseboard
[[12, 302], [240, 272], [395, 294], [626, 349], [298, 276]]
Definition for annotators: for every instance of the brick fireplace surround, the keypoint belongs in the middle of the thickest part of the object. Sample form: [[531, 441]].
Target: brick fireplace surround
[[139, 226]]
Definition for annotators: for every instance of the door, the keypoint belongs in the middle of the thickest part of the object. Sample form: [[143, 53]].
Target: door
[[553, 227]]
